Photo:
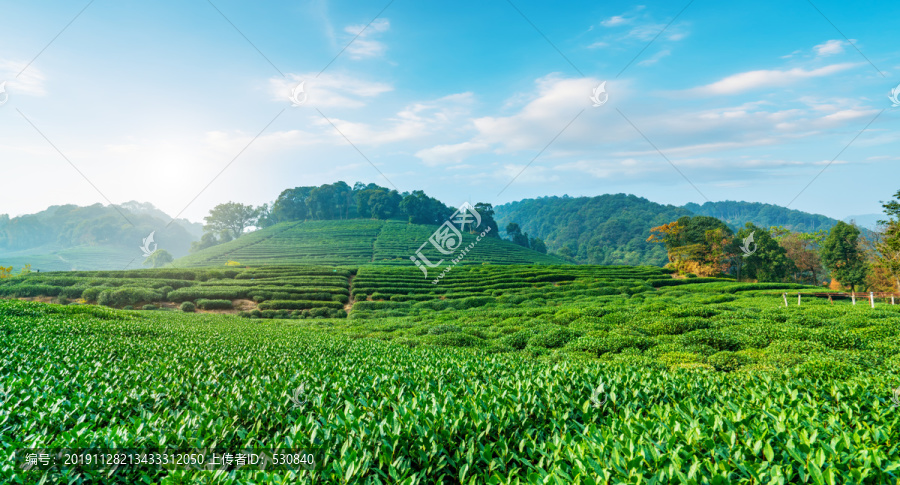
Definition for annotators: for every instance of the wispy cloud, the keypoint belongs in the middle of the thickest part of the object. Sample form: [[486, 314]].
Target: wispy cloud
[[30, 82], [765, 78], [830, 48], [329, 89], [364, 45]]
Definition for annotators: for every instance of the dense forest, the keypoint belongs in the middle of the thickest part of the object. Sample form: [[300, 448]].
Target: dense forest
[[608, 229], [613, 229], [737, 214]]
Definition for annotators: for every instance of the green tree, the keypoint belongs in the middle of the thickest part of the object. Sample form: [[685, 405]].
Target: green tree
[[231, 217], [768, 261], [486, 212], [885, 244], [158, 259], [538, 245], [842, 255], [208, 240], [515, 234]]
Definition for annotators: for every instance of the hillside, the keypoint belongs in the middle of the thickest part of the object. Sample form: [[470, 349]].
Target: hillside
[[736, 214], [613, 229], [69, 237], [608, 229], [352, 243]]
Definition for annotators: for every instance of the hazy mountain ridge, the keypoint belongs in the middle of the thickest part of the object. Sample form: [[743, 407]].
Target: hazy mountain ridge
[[66, 237]]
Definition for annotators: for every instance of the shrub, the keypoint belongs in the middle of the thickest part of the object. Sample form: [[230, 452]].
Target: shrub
[[61, 300], [189, 307], [214, 304], [553, 339], [149, 307], [442, 329], [610, 343], [824, 367], [839, 339], [457, 339], [727, 361], [518, 340], [72, 292], [713, 337], [301, 304], [126, 296]]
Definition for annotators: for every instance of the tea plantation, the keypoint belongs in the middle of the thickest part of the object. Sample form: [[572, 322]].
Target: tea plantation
[[352, 243], [495, 374]]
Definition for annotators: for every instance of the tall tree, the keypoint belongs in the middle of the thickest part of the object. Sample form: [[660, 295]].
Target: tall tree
[[841, 254], [885, 243], [801, 249], [515, 234], [486, 212], [699, 245], [231, 218], [768, 261], [158, 259]]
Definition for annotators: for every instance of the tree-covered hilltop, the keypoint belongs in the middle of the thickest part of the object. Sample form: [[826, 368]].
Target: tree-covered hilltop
[[737, 214], [608, 229], [613, 229], [337, 201]]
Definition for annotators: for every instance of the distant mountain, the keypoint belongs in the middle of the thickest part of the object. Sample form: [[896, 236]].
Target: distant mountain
[[69, 237], [613, 229], [737, 214]]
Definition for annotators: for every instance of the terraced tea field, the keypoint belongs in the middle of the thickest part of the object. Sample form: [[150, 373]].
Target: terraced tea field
[[272, 291], [353, 243]]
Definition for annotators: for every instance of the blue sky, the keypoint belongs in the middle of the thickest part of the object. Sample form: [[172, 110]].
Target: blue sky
[[150, 101]]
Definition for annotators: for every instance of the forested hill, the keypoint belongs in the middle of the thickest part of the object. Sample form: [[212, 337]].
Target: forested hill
[[607, 229], [736, 214], [613, 229], [67, 237]]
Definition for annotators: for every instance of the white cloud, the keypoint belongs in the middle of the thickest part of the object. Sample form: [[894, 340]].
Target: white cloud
[[655, 58], [454, 154], [29, 83], [364, 46], [415, 121], [829, 48], [614, 21], [329, 90], [764, 78]]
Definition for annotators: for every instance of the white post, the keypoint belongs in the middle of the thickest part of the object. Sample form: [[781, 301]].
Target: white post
[[798, 299], [892, 299], [872, 299], [784, 295], [853, 297]]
